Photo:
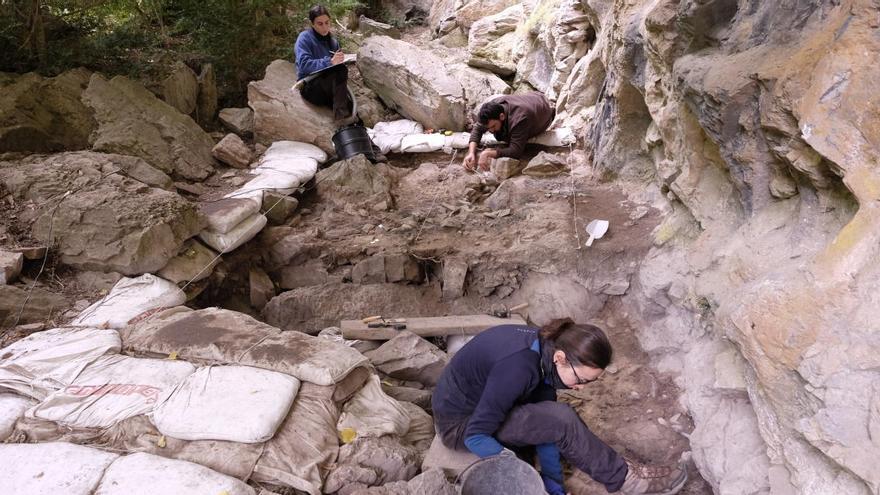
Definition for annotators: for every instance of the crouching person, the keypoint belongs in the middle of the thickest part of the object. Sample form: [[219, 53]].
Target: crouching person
[[513, 119], [499, 391]]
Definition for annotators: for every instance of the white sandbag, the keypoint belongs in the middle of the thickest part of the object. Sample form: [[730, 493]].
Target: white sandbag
[[458, 140], [52, 468], [372, 413], [422, 143], [388, 135], [147, 474], [129, 298], [255, 194], [557, 137], [215, 335], [224, 214], [44, 362], [305, 448], [234, 403], [239, 235], [110, 390], [295, 149], [12, 407], [301, 168], [421, 428], [272, 180]]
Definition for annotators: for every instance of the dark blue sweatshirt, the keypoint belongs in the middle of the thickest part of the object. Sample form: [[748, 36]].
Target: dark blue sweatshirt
[[313, 52], [497, 370]]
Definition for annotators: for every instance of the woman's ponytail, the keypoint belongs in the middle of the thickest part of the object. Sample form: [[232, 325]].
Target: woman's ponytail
[[584, 344]]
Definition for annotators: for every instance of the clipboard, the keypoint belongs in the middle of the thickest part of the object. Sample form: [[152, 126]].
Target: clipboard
[[350, 58]]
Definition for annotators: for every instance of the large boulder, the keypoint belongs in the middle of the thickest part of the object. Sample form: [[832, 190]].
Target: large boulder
[[311, 309], [492, 41], [445, 15], [98, 218], [478, 85], [238, 120], [132, 121], [413, 81], [180, 88], [410, 357], [232, 151], [44, 114], [206, 103], [353, 178], [474, 10], [281, 113]]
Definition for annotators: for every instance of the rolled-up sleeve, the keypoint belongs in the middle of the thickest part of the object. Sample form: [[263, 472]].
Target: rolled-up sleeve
[[477, 133]]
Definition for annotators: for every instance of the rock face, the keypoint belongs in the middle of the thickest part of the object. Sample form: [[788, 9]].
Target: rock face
[[108, 222], [413, 81], [38, 114], [281, 114], [131, 121], [759, 127]]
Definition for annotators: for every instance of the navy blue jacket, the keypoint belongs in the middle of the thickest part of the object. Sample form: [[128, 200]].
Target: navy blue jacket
[[313, 52], [495, 371]]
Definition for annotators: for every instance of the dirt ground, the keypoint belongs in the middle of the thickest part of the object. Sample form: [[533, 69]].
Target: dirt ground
[[634, 408]]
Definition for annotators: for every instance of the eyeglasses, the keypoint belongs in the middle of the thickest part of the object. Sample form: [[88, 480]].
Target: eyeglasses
[[579, 380]]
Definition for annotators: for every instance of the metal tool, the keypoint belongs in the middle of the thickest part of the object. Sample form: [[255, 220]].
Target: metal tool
[[382, 322], [505, 312]]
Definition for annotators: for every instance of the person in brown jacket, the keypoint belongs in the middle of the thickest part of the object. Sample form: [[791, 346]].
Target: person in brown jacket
[[513, 119]]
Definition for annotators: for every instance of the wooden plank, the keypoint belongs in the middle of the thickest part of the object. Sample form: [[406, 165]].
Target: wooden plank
[[434, 326]]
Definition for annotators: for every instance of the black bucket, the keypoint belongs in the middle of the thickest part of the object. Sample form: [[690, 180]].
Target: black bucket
[[352, 140]]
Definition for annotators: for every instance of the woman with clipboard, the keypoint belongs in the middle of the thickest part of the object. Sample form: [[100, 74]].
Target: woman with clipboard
[[320, 66]]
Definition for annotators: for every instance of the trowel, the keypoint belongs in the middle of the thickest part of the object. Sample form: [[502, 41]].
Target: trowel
[[596, 229]]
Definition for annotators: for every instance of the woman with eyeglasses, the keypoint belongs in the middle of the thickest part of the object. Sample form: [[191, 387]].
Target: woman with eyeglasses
[[499, 391]]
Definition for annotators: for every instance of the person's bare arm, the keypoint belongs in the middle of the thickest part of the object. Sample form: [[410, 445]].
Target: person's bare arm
[[486, 157], [471, 157]]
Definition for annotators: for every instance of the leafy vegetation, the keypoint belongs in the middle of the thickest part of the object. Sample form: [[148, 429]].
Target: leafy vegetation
[[142, 38]]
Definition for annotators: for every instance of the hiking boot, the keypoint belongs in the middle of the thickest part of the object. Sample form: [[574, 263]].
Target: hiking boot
[[642, 479]]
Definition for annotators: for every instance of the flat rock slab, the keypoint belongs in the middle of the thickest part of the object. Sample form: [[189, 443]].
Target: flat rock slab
[[410, 357], [434, 326]]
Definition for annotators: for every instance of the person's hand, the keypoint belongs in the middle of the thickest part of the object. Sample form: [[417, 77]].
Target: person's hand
[[337, 58], [485, 160], [469, 161], [552, 486]]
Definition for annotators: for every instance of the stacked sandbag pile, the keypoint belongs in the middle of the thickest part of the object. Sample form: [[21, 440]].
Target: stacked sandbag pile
[[236, 218], [211, 398]]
